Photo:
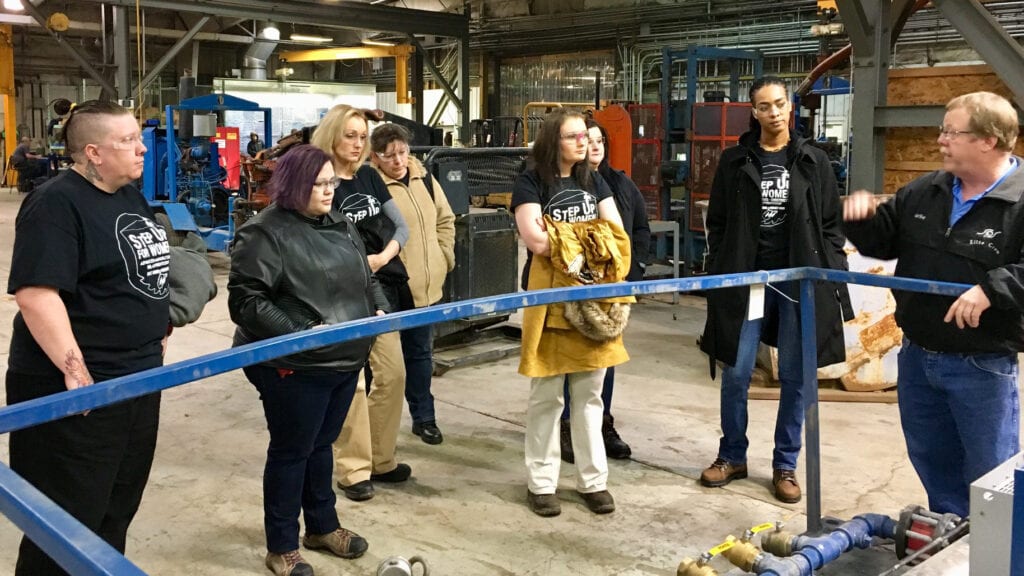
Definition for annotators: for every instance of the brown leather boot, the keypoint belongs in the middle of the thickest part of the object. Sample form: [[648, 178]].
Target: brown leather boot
[[546, 505], [721, 473], [786, 488]]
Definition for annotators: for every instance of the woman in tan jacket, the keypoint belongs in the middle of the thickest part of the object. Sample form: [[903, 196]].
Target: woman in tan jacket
[[428, 255]]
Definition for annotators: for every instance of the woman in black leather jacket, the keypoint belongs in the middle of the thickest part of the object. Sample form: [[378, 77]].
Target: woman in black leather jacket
[[298, 265]]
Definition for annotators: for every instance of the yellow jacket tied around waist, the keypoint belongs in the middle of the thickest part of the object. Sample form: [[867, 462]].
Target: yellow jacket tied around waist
[[592, 252]]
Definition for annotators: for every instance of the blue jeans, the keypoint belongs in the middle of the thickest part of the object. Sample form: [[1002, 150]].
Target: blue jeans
[[960, 416], [606, 392], [304, 414], [736, 381], [418, 350]]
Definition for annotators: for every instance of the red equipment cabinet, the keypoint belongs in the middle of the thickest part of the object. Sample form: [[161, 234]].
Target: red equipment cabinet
[[229, 149]]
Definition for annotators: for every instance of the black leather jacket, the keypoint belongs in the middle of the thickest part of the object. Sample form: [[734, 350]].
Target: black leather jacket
[[290, 273]]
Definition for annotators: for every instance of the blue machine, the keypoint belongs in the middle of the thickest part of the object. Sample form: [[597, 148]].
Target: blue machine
[[677, 119], [182, 176]]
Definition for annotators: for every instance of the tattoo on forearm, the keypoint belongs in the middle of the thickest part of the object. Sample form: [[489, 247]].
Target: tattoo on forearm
[[75, 367], [91, 174]]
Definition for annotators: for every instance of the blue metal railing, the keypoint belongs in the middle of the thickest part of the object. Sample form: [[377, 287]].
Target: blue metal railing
[[79, 551]]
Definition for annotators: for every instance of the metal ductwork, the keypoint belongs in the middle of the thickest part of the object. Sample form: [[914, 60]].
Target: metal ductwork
[[254, 63]]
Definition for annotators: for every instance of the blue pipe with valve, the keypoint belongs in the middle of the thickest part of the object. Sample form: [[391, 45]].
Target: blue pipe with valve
[[788, 555]]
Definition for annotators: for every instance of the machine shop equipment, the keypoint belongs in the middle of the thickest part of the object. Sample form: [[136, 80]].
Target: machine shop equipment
[[691, 137], [192, 173], [486, 248]]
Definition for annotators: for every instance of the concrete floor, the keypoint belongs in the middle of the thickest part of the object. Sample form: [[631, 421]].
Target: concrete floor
[[464, 509]]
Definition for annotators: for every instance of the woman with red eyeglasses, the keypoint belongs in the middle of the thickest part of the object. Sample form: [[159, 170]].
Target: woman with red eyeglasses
[[558, 194]]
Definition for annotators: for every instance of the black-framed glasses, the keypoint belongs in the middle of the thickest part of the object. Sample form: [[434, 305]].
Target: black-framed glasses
[[579, 137], [327, 184]]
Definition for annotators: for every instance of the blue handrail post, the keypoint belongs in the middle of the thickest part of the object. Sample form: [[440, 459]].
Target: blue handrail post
[[812, 430], [71, 545], [1017, 532]]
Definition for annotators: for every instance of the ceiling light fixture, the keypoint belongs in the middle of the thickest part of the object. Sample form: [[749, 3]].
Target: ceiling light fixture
[[14, 5], [309, 38], [270, 31], [378, 43]]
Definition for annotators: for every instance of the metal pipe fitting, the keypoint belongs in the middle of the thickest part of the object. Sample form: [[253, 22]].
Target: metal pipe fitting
[[778, 543], [691, 567], [742, 554]]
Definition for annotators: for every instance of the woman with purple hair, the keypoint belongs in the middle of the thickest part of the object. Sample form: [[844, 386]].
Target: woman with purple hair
[[298, 265]]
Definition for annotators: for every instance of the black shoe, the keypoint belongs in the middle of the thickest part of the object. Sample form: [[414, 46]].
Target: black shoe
[[428, 432], [546, 505], [598, 502], [614, 447], [565, 439], [401, 473], [359, 491]]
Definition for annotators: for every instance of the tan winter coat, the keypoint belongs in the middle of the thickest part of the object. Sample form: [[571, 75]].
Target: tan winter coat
[[429, 254]]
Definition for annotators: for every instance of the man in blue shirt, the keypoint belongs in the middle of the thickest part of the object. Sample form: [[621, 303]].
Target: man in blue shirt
[[958, 367]]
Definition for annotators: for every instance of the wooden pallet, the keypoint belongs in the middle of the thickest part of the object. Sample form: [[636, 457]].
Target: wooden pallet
[[762, 388]]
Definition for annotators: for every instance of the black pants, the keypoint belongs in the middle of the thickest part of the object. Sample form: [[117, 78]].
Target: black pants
[[95, 467], [33, 168], [304, 412]]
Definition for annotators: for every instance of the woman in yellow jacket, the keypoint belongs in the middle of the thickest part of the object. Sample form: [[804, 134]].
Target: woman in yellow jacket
[[428, 255], [562, 189]]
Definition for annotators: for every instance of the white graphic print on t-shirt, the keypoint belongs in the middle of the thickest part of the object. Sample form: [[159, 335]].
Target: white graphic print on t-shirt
[[572, 205], [360, 206], [146, 254], [774, 194]]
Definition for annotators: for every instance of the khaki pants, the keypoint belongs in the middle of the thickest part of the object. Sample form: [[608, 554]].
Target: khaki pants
[[542, 435], [367, 441]]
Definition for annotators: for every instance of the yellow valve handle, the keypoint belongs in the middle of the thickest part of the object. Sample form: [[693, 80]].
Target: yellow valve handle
[[762, 527], [721, 548]]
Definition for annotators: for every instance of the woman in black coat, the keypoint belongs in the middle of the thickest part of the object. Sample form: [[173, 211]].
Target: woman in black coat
[[774, 204]]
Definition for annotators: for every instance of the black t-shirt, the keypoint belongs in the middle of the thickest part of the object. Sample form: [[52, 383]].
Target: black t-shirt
[[108, 260], [773, 241], [362, 200], [567, 201]]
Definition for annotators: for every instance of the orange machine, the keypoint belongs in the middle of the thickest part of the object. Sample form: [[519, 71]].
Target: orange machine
[[614, 118], [617, 123]]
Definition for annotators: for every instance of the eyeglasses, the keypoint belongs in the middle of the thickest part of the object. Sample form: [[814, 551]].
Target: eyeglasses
[[579, 137], [392, 155], [326, 184], [127, 143], [950, 133]]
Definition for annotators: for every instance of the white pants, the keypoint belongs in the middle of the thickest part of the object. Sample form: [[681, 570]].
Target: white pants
[[543, 451]]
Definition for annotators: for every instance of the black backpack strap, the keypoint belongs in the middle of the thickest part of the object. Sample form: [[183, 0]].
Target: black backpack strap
[[428, 180]]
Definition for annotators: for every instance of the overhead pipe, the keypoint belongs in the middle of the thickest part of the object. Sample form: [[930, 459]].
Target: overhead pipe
[[844, 53]]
